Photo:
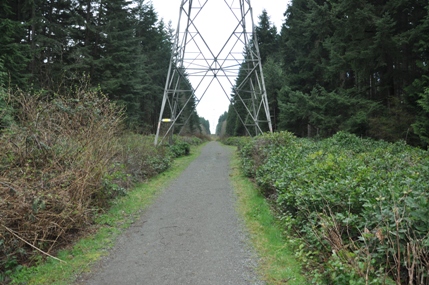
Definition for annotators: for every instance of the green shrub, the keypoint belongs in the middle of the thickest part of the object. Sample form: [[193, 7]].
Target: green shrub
[[182, 145], [236, 141], [361, 205], [180, 148], [141, 158], [190, 140]]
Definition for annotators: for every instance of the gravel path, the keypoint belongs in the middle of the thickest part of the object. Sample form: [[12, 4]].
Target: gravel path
[[190, 235]]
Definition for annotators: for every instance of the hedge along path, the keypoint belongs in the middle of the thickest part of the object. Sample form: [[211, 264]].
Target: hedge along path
[[190, 235]]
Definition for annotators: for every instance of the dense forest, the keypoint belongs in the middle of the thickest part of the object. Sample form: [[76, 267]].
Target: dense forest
[[117, 46], [355, 66]]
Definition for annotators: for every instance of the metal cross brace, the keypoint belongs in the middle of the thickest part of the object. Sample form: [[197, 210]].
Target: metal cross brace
[[195, 67]]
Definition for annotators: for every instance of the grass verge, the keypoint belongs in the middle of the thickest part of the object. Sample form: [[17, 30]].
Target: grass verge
[[124, 212], [277, 264]]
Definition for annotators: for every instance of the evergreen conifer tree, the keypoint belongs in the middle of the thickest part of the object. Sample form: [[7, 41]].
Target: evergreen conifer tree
[[14, 55]]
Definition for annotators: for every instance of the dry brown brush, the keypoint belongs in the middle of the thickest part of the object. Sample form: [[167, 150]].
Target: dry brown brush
[[52, 163], [61, 161]]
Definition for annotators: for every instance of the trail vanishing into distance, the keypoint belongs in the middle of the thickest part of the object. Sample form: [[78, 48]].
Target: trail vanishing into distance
[[190, 235]]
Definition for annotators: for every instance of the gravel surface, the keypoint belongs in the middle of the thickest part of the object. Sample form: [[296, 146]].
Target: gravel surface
[[190, 235]]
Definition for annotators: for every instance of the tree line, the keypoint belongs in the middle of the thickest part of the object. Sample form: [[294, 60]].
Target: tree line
[[355, 66], [118, 46]]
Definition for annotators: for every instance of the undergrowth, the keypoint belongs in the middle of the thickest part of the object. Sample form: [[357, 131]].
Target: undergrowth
[[358, 208], [62, 160]]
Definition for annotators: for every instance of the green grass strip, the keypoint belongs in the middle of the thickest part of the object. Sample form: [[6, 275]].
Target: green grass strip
[[110, 225], [277, 263]]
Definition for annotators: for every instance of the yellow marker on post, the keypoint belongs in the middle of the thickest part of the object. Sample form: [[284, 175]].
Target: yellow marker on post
[[166, 120]]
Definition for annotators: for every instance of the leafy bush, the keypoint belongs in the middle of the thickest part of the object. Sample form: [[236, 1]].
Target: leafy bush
[[194, 140], [182, 144], [179, 148], [236, 141], [362, 206]]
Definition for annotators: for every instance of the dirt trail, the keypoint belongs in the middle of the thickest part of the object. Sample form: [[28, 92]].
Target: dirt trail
[[190, 235]]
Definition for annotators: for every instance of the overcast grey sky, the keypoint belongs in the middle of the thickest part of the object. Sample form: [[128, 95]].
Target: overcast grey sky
[[215, 104], [169, 9]]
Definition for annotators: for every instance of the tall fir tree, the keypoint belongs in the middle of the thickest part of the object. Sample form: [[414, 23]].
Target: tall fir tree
[[14, 53], [205, 126], [269, 45], [155, 41], [274, 81], [220, 131], [268, 38]]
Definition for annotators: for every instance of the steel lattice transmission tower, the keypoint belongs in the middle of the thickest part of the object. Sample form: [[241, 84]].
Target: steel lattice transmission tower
[[197, 64]]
